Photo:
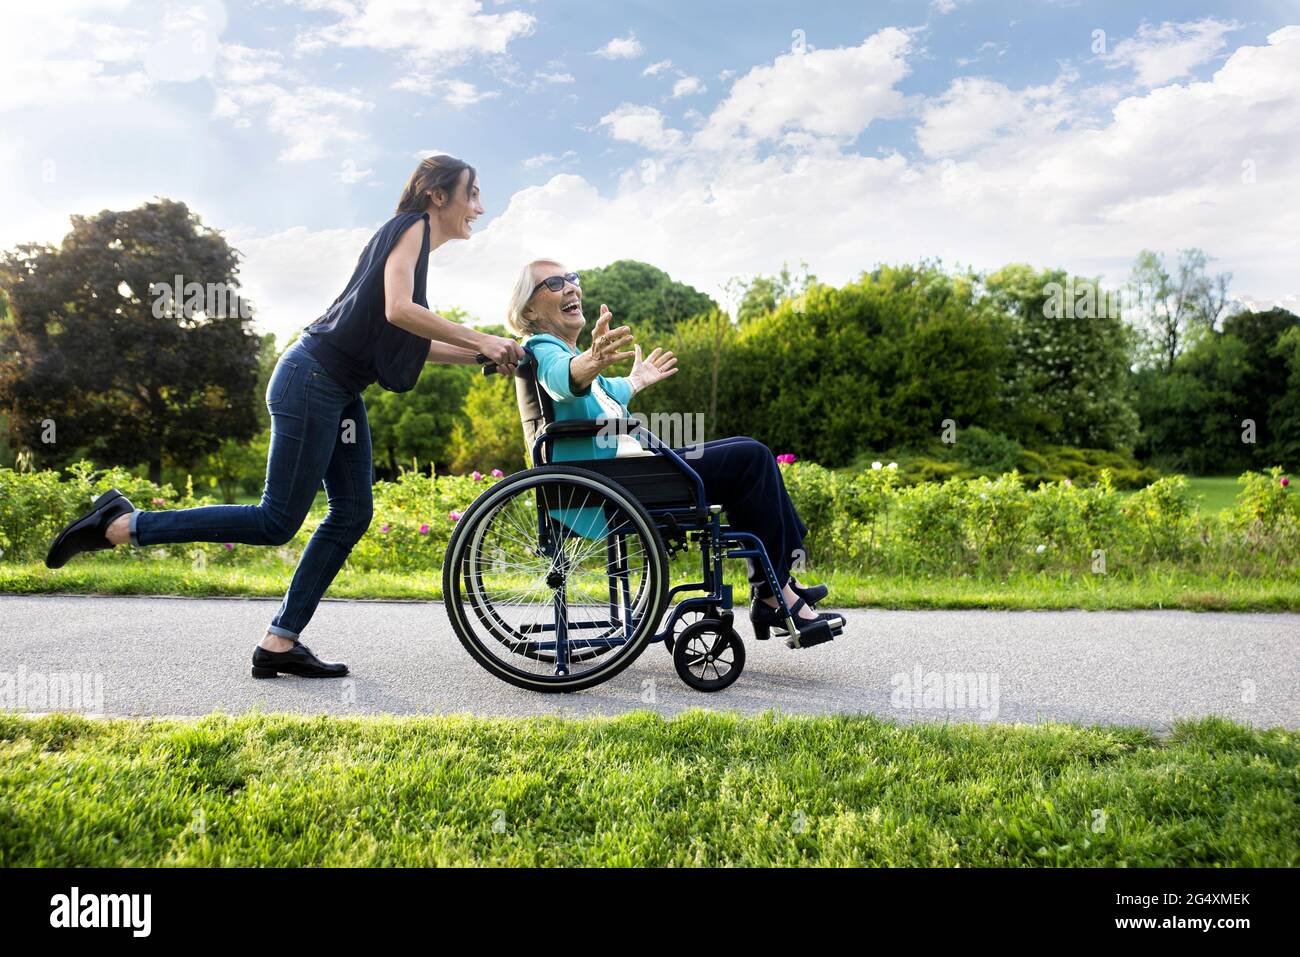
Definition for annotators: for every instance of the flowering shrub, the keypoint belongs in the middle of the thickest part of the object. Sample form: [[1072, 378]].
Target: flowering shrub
[[871, 520]]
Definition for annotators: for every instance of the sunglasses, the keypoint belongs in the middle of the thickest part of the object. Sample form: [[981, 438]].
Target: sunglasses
[[556, 283]]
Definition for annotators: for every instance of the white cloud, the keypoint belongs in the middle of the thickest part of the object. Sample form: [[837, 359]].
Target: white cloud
[[432, 33], [457, 93], [1171, 50], [314, 120], [622, 48], [291, 276], [654, 69], [69, 52], [461, 94], [1163, 171], [687, 86], [831, 92], [542, 160], [349, 174], [643, 125], [975, 110], [555, 77]]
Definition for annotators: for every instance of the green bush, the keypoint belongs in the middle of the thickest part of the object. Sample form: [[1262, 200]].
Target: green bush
[[982, 449], [979, 452], [871, 520]]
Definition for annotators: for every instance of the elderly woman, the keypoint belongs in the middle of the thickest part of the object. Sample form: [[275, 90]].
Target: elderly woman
[[739, 473]]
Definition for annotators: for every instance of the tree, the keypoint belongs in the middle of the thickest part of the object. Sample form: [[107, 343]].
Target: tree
[[1285, 412], [1068, 379], [490, 436], [701, 345], [1229, 403], [103, 355], [878, 363], [763, 294], [641, 296], [1175, 309]]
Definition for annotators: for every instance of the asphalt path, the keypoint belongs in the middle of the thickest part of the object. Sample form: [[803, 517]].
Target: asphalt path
[[187, 657]]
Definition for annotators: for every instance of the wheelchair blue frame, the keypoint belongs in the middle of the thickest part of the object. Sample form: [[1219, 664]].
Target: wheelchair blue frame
[[717, 542]]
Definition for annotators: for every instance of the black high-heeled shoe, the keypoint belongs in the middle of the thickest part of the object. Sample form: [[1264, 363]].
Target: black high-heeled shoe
[[811, 595], [810, 631]]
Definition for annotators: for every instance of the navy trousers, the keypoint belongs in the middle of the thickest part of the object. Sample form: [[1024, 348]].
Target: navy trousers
[[741, 475]]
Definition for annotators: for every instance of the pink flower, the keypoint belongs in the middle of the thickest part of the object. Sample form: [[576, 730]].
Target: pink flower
[[228, 545], [497, 473], [424, 528], [477, 476], [384, 528], [454, 516], [158, 501], [786, 458], [1285, 481], [1067, 482]]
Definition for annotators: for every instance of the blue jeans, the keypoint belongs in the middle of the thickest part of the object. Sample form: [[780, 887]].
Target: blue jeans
[[319, 431]]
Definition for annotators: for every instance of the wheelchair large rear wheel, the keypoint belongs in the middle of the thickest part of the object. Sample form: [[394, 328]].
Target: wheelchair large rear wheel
[[555, 579]]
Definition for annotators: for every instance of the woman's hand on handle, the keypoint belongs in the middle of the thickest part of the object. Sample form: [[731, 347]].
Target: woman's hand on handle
[[505, 352]]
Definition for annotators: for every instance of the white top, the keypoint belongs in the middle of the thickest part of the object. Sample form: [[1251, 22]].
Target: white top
[[627, 446]]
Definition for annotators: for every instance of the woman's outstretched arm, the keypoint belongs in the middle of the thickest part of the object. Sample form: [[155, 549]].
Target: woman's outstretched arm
[[402, 311], [446, 354]]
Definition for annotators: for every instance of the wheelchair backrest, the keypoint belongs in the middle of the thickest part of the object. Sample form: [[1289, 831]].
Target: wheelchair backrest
[[535, 407]]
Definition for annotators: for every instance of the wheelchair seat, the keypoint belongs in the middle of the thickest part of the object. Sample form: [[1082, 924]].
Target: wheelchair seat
[[657, 481]]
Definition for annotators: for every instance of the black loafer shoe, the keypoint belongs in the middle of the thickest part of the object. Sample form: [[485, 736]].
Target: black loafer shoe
[[298, 660], [86, 534]]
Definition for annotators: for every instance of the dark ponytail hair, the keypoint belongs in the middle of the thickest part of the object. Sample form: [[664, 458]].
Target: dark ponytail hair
[[433, 173]]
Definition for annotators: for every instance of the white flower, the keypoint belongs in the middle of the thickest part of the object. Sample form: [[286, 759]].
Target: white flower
[[893, 465], [876, 466], [1040, 549]]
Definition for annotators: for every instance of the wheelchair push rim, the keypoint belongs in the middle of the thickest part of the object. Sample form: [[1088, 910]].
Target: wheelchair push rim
[[555, 579]]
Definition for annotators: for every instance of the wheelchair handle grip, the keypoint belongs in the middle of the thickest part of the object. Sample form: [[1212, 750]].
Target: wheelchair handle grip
[[490, 367]]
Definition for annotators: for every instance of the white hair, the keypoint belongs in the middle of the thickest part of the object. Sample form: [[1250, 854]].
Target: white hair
[[520, 296]]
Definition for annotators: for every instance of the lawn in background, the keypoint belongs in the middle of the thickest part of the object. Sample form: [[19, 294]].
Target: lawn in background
[[1215, 492], [1154, 586]]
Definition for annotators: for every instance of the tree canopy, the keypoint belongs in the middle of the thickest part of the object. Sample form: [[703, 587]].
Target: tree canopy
[[102, 354]]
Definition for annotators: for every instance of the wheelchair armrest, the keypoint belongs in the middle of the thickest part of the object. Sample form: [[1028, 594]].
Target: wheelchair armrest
[[581, 427]]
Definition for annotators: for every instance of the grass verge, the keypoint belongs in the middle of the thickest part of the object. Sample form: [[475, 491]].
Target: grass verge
[[1154, 587], [698, 789]]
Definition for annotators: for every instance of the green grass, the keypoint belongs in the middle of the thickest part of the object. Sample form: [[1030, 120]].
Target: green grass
[[699, 789], [1153, 587], [1215, 492]]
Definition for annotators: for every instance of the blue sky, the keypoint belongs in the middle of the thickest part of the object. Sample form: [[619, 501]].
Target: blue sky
[[713, 139]]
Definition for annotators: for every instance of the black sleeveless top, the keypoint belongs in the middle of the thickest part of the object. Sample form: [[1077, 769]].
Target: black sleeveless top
[[353, 340]]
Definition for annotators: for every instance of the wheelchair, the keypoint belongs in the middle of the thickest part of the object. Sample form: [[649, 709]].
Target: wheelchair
[[556, 578]]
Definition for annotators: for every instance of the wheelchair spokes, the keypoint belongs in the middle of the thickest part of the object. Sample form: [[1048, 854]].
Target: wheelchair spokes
[[555, 580]]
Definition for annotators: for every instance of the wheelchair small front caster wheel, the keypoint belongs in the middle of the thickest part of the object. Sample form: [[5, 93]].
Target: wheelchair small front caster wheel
[[708, 656], [685, 620]]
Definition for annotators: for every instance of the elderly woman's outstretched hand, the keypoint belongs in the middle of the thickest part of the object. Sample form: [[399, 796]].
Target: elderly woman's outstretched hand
[[655, 367], [606, 343]]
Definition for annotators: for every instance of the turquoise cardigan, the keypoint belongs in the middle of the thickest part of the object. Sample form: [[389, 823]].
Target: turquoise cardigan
[[553, 356]]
